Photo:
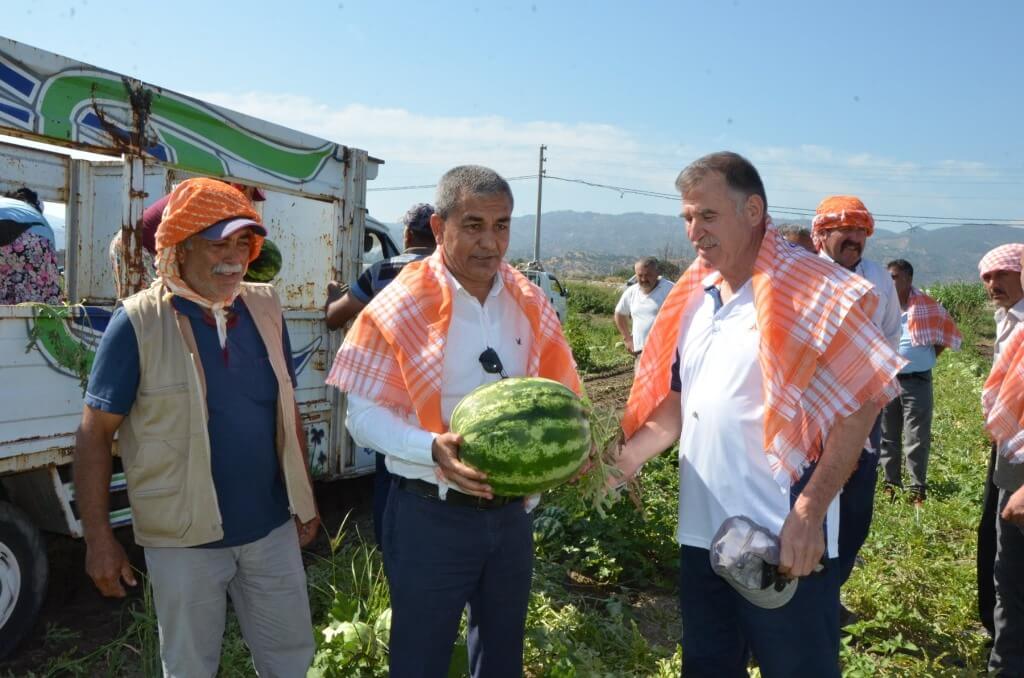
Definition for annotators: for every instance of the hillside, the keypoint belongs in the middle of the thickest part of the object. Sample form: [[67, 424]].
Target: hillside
[[590, 244]]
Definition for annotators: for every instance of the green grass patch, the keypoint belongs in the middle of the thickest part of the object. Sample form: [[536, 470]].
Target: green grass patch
[[594, 298]]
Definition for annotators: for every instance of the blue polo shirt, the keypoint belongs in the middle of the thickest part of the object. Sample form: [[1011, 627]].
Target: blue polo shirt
[[241, 398], [381, 273]]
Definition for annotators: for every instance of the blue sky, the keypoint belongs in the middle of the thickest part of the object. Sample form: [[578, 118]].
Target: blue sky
[[914, 106]]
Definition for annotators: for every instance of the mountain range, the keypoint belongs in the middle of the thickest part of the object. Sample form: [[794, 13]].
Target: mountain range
[[591, 244]]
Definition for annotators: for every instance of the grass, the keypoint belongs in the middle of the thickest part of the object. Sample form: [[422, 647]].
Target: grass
[[603, 600]]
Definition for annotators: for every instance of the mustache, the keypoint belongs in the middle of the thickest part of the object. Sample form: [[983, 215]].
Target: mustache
[[706, 241], [227, 269]]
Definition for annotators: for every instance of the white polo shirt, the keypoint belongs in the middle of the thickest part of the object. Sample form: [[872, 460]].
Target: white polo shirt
[[723, 469], [642, 308]]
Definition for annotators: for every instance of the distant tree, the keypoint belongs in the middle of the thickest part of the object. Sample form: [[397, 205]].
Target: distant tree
[[669, 269]]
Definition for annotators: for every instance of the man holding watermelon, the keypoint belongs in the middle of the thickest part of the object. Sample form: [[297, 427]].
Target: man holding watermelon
[[764, 366], [447, 324]]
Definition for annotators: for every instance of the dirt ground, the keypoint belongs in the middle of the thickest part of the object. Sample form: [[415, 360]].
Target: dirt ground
[[76, 619]]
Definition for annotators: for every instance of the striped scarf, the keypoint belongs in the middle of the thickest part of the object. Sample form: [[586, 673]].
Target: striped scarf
[[929, 324], [1002, 398], [820, 355], [394, 353]]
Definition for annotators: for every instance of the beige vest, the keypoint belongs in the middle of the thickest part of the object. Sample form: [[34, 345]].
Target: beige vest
[[164, 442]]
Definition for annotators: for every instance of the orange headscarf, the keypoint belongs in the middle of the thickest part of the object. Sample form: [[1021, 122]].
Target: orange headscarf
[[842, 211], [195, 205]]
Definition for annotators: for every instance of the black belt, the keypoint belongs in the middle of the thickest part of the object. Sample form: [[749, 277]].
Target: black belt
[[914, 375], [422, 488]]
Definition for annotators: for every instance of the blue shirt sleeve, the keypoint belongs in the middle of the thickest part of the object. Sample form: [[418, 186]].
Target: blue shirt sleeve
[[287, 343], [114, 379], [363, 289]]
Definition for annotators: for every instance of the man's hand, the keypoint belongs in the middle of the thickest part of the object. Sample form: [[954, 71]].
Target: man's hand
[[445, 451], [802, 543], [1013, 512], [307, 531], [625, 468], [628, 341], [107, 564]]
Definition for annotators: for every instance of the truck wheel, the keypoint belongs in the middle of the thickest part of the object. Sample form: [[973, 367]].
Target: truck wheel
[[22, 576]]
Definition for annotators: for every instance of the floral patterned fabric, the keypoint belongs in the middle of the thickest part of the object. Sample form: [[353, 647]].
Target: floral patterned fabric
[[28, 271]]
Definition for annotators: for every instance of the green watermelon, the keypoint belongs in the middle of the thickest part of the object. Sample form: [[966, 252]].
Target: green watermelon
[[527, 434], [266, 265]]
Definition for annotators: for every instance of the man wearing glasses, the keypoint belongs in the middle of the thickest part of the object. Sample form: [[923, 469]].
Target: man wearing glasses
[[764, 351], [447, 324]]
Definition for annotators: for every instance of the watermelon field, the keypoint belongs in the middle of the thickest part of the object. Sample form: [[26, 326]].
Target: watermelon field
[[603, 600]]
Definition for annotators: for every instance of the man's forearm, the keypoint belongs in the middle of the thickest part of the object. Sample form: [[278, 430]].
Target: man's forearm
[[341, 311], [381, 429], [842, 449], [622, 323], [658, 433], [92, 470]]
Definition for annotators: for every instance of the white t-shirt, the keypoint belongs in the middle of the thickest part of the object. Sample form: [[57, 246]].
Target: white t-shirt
[[642, 308], [723, 469]]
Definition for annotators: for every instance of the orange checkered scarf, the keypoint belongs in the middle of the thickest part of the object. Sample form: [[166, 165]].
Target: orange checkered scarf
[[394, 353], [929, 324], [195, 205], [820, 355], [1002, 398]]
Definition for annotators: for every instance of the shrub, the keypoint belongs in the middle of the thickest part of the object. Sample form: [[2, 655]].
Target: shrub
[[968, 304], [592, 298]]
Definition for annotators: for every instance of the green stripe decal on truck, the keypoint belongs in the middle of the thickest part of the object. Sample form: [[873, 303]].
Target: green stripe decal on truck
[[198, 137]]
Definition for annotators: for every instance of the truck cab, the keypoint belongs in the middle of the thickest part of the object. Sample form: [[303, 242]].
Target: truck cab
[[377, 243], [556, 293]]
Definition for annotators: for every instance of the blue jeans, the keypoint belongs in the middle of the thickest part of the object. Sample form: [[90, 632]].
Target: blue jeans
[[721, 629], [857, 504], [441, 558]]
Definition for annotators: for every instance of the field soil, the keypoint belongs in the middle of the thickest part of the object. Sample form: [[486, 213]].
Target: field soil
[[76, 620]]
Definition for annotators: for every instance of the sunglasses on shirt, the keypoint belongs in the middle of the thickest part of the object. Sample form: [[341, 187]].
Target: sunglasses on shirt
[[491, 363]]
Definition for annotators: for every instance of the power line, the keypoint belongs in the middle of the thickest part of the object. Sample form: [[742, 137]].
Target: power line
[[784, 209], [422, 186]]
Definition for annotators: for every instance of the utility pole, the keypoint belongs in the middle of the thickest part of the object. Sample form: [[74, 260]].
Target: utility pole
[[540, 188]]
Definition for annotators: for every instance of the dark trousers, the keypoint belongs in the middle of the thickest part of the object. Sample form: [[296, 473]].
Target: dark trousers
[[1007, 658], [721, 629], [857, 506], [381, 487], [442, 557], [987, 549]]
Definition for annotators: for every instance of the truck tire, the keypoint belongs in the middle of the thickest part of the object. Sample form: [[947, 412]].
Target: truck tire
[[23, 571]]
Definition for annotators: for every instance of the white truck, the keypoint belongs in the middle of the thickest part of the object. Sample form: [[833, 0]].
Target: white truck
[[556, 293], [153, 138]]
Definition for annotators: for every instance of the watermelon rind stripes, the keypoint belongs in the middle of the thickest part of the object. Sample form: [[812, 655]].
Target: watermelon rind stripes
[[528, 434]]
